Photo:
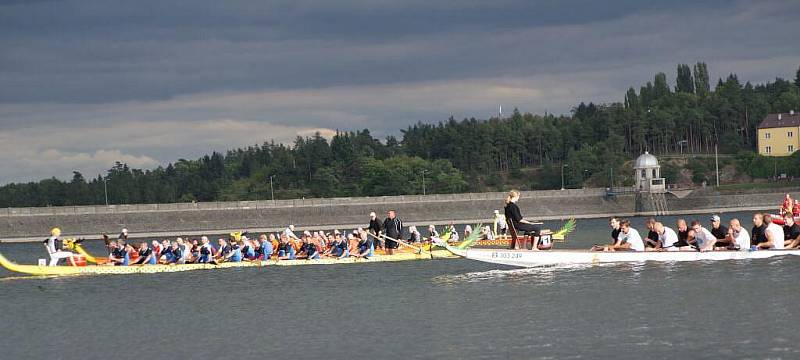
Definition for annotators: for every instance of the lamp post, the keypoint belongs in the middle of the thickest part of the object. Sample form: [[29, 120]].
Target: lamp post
[[716, 162], [272, 189], [105, 188], [423, 181], [562, 175], [681, 143]]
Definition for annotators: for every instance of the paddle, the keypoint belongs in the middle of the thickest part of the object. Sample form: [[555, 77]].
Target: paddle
[[401, 242]]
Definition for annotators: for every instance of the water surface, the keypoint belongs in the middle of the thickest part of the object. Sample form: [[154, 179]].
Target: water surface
[[421, 310]]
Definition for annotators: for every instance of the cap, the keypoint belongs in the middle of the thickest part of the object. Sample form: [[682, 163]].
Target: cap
[[715, 218], [55, 232]]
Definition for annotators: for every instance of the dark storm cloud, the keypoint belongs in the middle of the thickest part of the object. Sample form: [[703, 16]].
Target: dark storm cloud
[[86, 83], [101, 51]]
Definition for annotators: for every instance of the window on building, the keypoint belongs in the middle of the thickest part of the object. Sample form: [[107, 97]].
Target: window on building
[[654, 173], [768, 149], [766, 135], [790, 134], [644, 174], [791, 148]]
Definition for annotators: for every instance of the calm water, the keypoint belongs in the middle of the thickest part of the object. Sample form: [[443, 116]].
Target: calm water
[[435, 309]]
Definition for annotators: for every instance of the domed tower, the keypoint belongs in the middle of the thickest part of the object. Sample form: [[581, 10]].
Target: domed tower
[[648, 174]]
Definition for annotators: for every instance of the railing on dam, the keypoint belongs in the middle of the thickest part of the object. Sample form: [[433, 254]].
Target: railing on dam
[[264, 204]]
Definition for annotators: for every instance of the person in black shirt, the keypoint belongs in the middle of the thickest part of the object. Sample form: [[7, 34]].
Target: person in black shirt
[[652, 235], [791, 232], [720, 232], [717, 229], [393, 229], [375, 229], [515, 219], [757, 234], [615, 229]]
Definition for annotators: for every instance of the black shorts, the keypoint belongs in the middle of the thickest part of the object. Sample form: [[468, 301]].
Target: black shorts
[[391, 244]]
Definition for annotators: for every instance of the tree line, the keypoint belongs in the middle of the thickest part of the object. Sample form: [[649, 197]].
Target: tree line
[[587, 146]]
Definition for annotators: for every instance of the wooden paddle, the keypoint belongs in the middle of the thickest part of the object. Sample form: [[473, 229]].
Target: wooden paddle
[[401, 242]]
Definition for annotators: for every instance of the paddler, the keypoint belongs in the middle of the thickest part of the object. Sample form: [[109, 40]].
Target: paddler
[[236, 252], [146, 255], [119, 254], [432, 233], [414, 235], [206, 255], [791, 232], [375, 228], [285, 249], [629, 238], [500, 226], [704, 240], [55, 248], [392, 229], [308, 250], [365, 246], [248, 249], [123, 235], [175, 254], [266, 247]]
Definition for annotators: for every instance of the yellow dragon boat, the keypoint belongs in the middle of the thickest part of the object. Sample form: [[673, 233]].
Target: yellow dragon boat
[[151, 269]]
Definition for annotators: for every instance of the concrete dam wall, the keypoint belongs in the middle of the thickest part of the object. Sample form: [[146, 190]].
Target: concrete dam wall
[[19, 224]]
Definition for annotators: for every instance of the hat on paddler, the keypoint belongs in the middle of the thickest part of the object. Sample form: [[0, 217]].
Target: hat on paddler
[[55, 232], [715, 218]]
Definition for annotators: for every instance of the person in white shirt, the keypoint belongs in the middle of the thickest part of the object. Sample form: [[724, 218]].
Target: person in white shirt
[[629, 238], [500, 225], [54, 247], [666, 237], [774, 235], [289, 232], [704, 239], [738, 236]]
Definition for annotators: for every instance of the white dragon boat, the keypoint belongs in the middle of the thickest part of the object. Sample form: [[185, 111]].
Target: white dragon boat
[[528, 258]]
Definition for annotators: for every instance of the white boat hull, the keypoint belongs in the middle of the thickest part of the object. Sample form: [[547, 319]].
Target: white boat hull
[[527, 258]]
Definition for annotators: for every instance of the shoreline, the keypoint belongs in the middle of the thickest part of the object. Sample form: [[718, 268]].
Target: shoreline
[[162, 234]]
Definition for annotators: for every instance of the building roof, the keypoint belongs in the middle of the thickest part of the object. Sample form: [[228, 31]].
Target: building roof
[[786, 120], [645, 161]]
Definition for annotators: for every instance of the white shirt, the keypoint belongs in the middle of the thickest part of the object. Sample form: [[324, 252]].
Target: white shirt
[[668, 238], [775, 231], [289, 233], [633, 238], [742, 238], [703, 237]]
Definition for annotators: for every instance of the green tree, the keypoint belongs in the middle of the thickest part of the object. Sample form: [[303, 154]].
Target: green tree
[[684, 82]]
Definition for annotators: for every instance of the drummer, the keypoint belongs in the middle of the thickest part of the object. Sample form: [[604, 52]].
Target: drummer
[[520, 224]]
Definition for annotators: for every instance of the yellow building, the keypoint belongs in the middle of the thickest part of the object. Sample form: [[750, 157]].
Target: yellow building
[[778, 134]]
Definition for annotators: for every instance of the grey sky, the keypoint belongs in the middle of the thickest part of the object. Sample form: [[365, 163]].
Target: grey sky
[[85, 83]]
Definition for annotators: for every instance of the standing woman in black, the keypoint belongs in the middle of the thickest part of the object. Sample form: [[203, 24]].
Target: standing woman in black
[[520, 225]]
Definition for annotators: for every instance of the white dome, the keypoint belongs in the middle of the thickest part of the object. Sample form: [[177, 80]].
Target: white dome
[[645, 161]]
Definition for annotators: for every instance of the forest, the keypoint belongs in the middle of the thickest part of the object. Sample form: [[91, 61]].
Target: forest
[[590, 146]]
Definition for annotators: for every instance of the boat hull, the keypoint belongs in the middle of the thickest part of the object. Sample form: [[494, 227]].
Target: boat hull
[[527, 258], [151, 269]]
